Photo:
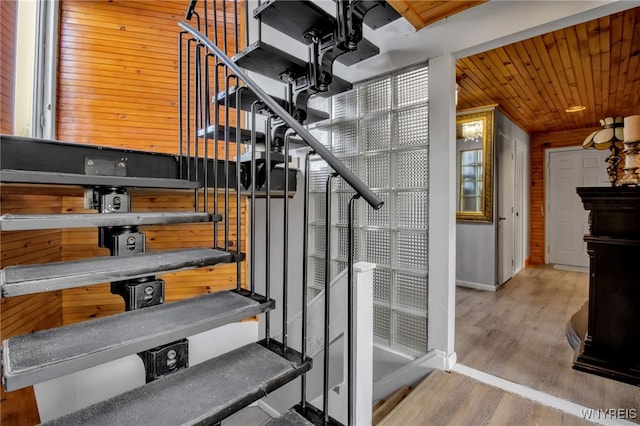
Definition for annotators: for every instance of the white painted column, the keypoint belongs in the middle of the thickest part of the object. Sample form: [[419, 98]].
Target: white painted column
[[363, 343], [442, 213]]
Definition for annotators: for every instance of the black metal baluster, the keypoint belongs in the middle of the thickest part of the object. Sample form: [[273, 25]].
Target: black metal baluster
[[259, 24], [207, 123], [327, 298], [224, 27], [216, 126], [238, 199], [267, 322], [188, 138], [350, 260], [235, 21], [206, 19], [180, 106], [285, 244], [197, 120], [254, 107], [207, 113], [216, 123], [215, 23], [246, 23], [226, 159], [305, 273]]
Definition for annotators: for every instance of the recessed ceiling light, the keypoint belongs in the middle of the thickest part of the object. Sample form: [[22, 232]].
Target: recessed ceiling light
[[576, 108]]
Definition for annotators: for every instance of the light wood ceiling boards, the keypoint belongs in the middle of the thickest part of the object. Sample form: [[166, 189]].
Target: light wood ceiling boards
[[595, 64], [421, 13]]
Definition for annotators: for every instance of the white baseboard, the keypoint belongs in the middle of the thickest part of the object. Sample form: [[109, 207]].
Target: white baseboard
[[594, 415], [477, 286]]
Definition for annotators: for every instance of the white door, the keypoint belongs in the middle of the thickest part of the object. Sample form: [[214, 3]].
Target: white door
[[506, 185], [568, 221]]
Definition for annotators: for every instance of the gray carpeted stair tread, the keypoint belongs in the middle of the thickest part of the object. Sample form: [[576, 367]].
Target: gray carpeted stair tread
[[27, 279], [55, 178], [203, 394], [36, 357], [24, 222]]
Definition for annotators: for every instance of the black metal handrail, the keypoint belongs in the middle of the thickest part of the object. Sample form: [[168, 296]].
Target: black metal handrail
[[358, 185]]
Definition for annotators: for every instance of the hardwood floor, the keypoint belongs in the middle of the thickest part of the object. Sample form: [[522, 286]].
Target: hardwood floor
[[454, 399], [518, 333]]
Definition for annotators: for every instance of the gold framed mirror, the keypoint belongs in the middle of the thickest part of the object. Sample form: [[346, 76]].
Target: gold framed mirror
[[474, 166]]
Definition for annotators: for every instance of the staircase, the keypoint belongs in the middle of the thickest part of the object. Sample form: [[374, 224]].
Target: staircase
[[255, 163]]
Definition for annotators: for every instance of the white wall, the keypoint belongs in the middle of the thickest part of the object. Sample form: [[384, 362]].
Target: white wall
[[476, 243]]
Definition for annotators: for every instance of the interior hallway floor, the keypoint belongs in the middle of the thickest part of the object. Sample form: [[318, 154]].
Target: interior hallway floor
[[518, 334]]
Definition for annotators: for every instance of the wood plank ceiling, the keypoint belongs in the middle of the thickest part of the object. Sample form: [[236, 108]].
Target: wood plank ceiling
[[421, 13], [595, 64]]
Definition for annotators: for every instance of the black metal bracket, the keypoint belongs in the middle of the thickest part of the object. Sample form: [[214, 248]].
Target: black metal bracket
[[122, 240], [166, 359], [140, 293]]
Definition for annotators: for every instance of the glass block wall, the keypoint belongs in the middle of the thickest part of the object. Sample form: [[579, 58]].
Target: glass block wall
[[380, 131]]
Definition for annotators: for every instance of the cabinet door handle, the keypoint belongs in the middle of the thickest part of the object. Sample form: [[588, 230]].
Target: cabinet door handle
[[502, 218]]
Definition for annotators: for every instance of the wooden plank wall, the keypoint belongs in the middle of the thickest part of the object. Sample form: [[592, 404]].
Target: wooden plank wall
[[7, 63], [539, 143], [118, 87], [26, 314]]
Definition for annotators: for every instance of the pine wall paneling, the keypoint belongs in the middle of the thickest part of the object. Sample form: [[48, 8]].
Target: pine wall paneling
[[26, 314], [118, 87]]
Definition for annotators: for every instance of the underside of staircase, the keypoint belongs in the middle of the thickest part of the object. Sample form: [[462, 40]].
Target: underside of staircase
[[256, 164]]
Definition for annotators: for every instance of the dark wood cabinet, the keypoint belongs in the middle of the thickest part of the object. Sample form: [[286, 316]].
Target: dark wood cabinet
[[610, 345]]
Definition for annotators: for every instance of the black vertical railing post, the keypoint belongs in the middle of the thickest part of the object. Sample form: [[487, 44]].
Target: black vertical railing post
[[236, 26], [206, 19], [252, 260], [226, 158], [267, 321], [215, 23], [327, 298], [207, 123], [285, 244], [350, 301], [195, 114], [224, 27], [259, 25], [197, 119], [180, 105], [246, 23], [188, 120], [305, 274], [216, 126], [238, 199]]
